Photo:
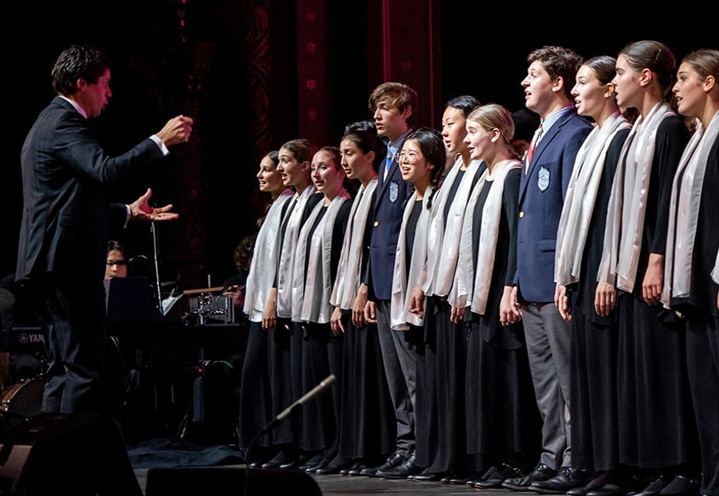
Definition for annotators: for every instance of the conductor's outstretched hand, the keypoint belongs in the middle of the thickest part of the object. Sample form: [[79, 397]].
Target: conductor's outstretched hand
[[177, 130], [140, 209]]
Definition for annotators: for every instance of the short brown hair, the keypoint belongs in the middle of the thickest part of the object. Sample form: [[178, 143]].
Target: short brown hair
[[398, 95]]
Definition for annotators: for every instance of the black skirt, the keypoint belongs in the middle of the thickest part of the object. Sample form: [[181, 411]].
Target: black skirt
[[255, 411], [367, 425], [656, 418], [593, 393], [440, 401], [503, 422]]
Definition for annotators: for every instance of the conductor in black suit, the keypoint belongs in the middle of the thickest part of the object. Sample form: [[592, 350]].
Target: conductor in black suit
[[64, 229]]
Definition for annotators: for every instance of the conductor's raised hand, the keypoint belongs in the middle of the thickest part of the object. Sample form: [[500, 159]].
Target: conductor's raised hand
[[177, 130], [140, 209]]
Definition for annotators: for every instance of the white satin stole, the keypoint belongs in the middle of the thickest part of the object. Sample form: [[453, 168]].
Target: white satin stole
[[263, 267], [403, 280]]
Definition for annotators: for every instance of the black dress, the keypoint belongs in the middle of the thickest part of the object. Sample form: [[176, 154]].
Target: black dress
[[503, 423], [656, 419], [322, 356], [593, 388], [284, 349], [440, 415], [367, 423], [702, 342]]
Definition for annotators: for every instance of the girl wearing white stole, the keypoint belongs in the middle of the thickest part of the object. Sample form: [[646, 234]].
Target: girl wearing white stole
[[285, 347], [316, 258], [441, 447], [580, 239], [502, 417], [255, 400], [366, 432], [421, 162], [657, 432], [692, 250]]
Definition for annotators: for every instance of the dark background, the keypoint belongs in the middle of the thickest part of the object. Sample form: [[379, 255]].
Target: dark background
[[233, 66]]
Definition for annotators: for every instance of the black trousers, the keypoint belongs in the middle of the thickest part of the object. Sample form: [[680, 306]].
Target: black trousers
[[72, 315]]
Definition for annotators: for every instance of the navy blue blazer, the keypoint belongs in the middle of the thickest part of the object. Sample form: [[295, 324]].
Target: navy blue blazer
[[541, 196], [65, 172], [388, 209]]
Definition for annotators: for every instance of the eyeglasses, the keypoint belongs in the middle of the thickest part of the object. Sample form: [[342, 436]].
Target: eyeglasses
[[116, 262]]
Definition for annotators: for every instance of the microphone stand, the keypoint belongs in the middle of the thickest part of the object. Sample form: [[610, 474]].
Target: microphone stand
[[290, 410], [155, 259]]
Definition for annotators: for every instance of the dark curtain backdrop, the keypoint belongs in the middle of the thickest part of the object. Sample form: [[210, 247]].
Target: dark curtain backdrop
[[233, 64]]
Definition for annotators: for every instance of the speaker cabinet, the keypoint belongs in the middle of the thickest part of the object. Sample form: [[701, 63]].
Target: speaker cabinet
[[57, 454]]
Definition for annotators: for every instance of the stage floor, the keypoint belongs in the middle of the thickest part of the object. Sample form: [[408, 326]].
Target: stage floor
[[339, 485]]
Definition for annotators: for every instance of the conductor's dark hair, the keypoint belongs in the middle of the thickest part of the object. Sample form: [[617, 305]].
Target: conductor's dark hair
[[78, 62]]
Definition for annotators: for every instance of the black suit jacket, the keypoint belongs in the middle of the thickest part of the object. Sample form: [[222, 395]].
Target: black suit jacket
[[65, 172]]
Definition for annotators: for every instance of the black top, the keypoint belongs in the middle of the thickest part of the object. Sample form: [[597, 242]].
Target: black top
[[451, 194], [505, 262], [410, 231], [338, 233], [672, 138], [311, 202], [584, 291], [703, 293]]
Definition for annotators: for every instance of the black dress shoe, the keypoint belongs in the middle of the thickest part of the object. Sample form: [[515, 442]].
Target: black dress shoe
[[401, 471], [656, 486], [337, 464], [311, 462], [495, 476], [356, 469], [331, 468], [457, 479], [540, 473], [566, 479], [596, 483], [681, 486], [289, 464], [425, 477], [353, 466], [394, 460], [323, 463], [280, 458], [609, 490]]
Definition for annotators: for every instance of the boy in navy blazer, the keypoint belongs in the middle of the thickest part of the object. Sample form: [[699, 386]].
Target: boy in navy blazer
[[393, 105], [547, 169]]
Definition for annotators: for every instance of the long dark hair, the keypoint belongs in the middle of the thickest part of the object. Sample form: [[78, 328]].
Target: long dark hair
[[364, 135]]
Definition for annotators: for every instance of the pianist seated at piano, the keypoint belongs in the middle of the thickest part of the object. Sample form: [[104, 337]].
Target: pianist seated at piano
[[116, 260]]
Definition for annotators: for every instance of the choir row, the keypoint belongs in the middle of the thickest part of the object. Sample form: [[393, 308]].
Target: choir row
[[541, 319]]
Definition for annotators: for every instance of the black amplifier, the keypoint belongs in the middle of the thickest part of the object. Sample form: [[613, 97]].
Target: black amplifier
[[22, 340]]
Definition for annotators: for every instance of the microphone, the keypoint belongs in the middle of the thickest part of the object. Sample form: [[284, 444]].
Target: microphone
[[307, 396], [327, 382]]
